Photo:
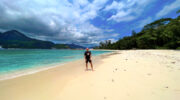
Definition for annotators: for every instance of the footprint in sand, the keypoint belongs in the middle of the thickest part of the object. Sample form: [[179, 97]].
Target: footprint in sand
[[173, 62], [115, 69], [124, 69], [112, 80], [149, 74], [166, 87], [167, 66], [104, 97]]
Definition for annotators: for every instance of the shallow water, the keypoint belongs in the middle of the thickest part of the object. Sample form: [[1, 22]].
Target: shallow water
[[19, 60]]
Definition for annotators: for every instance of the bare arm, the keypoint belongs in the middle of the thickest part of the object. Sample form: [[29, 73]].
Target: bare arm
[[90, 56]]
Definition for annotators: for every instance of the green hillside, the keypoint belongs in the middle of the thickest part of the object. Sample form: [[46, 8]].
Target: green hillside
[[16, 39], [160, 34]]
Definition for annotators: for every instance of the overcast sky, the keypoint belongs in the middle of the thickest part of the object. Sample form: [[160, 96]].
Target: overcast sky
[[84, 22]]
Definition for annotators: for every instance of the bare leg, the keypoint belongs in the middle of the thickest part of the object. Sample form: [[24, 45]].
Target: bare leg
[[86, 66], [91, 66]]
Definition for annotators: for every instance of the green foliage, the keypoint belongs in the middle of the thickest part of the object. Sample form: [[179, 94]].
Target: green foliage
[[105, 45], [160, 34], [146, 42], [133, 33], [178, 48], [157, 23]]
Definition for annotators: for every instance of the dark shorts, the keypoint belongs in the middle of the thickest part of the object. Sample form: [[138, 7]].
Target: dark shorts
[[88, 60]]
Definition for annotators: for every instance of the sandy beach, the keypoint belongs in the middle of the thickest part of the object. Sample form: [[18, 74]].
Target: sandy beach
[[121, 75]]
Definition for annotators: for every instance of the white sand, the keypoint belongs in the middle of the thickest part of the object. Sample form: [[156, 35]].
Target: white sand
[[124, 75]]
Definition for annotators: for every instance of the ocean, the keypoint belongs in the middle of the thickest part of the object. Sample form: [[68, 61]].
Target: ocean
[[23, 61]]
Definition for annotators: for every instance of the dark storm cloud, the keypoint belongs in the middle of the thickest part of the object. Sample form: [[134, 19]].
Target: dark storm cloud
[[55, 20]]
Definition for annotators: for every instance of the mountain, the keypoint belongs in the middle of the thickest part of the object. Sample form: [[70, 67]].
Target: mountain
[[74, 46], [14, 35], [15, 39], [92, 47], [61, 46], [68, 46]]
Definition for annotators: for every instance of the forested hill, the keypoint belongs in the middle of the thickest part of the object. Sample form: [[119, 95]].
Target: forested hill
[[16, 39], [160, 34]]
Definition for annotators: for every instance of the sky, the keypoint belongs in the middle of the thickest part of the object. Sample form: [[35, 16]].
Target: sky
[[83, 22]]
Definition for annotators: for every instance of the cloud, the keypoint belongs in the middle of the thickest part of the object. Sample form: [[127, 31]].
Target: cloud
[[127, 10], [115, 5], [144, 22], [121, 16], [74, 21], [169, 8], [57, 20]]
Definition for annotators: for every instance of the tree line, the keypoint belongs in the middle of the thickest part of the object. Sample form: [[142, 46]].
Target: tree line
[[160, 34]]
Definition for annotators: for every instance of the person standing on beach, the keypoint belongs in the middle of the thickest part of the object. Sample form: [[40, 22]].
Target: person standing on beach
[[87, 57]]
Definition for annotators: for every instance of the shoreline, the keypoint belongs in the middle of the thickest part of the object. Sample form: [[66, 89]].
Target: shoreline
[[33, 70], [20, 88], [127, 75], [24, 72]]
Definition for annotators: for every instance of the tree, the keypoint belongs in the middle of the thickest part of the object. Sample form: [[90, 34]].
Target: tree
[[156, 24], [163, 34], [134, 33]]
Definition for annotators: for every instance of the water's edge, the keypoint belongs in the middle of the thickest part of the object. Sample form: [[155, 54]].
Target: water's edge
[[41, 68]]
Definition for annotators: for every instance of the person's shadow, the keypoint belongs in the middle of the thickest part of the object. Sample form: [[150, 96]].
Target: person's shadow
[[88, 70]]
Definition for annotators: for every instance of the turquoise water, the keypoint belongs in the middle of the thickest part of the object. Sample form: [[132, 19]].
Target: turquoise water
[[19, 60]]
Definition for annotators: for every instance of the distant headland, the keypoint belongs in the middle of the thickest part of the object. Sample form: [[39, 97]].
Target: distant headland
[[16, 39]]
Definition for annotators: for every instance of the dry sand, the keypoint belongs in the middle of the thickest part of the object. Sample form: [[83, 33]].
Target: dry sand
[[122, 75]]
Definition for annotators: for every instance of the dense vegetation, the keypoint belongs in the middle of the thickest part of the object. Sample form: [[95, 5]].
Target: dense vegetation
[[160, 34]]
